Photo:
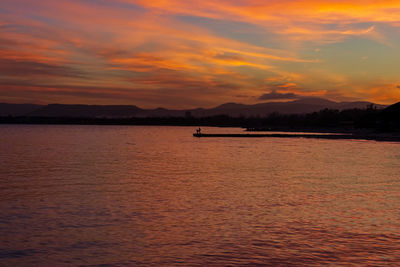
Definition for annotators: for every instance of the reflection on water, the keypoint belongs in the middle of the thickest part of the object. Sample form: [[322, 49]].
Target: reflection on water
[[87, 195]]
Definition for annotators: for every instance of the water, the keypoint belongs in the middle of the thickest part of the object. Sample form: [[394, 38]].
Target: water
[[91, 195]]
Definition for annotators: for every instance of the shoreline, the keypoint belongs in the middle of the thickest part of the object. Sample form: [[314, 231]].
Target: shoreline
[[345, 133]]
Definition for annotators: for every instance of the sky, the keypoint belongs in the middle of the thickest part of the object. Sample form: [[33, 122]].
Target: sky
[[190, 53]]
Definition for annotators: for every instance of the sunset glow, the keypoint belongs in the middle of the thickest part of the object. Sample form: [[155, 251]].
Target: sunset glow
[[187, 54]]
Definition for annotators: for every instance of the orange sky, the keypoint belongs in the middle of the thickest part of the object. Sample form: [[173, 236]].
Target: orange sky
[[186, 54]]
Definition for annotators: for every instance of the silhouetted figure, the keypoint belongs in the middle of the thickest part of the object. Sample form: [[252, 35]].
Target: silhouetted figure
[[198, 131]]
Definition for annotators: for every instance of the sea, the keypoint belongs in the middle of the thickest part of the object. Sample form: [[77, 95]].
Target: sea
[[157, 196]]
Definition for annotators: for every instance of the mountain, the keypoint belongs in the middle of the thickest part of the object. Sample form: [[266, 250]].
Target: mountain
[[59, 110], [304, 105], [392, 113], [17, 109]]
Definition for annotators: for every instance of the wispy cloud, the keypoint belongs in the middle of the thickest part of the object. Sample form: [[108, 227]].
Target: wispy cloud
[[153, 56]]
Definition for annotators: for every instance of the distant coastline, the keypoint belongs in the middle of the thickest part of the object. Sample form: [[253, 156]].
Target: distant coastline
[[369, 119]]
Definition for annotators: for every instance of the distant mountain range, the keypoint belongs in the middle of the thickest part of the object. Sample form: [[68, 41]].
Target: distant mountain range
[[305, 105]]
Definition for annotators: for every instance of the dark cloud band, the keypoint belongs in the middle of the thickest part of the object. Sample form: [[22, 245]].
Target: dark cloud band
[[274, 95]]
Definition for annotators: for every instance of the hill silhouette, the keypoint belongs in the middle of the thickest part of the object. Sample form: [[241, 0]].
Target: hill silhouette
[[367, 118], [17, 109], [301, 106], [390, 117], [392, 112], [59, 110]]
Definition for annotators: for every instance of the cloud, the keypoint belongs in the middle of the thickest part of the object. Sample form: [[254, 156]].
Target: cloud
[[384, 93], [274, 95], [29, 69], [86, 50], [299, 19]]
